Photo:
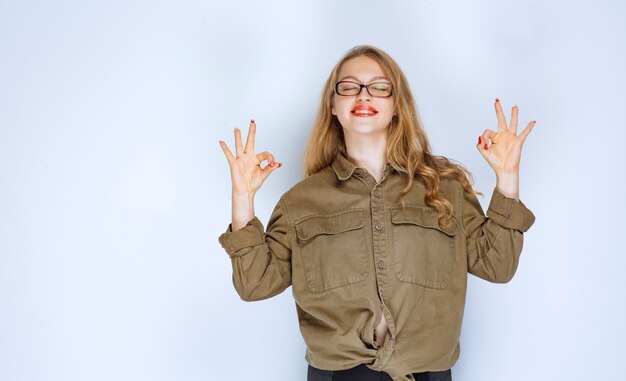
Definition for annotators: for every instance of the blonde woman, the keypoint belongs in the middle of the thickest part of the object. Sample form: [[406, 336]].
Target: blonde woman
[[377, 240]]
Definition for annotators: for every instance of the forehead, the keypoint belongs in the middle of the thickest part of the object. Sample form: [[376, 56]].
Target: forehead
[[362, 68]]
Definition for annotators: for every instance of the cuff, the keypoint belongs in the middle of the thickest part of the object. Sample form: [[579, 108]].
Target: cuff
[[252, 234], [509, 213]]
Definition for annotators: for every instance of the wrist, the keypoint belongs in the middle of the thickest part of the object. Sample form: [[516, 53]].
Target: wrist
[[508, 184], [242, 196], [242, 210]]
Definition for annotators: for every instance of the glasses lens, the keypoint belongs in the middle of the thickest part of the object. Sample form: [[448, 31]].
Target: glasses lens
[[381, 89], [377, 89], [348, 88]]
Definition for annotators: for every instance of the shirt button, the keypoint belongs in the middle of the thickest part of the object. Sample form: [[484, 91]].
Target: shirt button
[[377, 193], [381, 264], [378, 227]]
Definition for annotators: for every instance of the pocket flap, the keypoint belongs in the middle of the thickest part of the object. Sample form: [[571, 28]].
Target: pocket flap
[[310, 226], [420, 216]]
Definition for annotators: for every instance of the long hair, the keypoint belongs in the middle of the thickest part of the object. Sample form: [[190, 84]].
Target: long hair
[[408, 150]]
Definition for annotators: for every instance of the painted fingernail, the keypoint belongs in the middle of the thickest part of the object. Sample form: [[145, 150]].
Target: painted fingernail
[[251, 120], [497, 100], [280, 165], [479, 140], [485, 146]]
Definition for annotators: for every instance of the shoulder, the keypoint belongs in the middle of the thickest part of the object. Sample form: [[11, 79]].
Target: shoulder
[[311, 186], [452, 173], [312, 194], [452, 177], [450, 185]]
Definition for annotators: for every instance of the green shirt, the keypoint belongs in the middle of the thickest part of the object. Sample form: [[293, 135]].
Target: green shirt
[[352, 252]]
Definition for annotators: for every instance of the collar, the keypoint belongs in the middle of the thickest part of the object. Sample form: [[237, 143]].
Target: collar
[[344, 168]]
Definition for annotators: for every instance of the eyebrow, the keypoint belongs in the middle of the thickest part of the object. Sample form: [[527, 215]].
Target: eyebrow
[[355, 78]]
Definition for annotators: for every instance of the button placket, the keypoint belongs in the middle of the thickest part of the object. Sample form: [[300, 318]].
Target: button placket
[[379, 234], [381, 273]]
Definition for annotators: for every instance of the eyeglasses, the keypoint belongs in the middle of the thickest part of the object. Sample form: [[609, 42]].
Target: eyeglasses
[[376, 89]]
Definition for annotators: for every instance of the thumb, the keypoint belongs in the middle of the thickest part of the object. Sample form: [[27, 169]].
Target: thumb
[[265, 172]]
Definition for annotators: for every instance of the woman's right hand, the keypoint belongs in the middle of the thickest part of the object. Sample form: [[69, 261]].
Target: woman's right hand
[[245, 168]]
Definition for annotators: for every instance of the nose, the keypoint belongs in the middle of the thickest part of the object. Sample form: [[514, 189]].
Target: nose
[[363, 94]]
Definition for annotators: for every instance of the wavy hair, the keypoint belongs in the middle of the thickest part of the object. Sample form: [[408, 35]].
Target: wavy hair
[[408, 149]]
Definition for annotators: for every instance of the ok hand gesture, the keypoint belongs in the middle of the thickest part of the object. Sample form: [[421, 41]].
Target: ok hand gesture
[[503, 155], [245, 168]]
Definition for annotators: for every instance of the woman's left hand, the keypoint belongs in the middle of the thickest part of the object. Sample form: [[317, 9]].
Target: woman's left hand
[[503, 155]]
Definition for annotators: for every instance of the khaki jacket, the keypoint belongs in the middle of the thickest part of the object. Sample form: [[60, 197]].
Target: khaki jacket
[[352, 252]]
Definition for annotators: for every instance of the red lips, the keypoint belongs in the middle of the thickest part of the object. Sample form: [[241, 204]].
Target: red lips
[[363, 110]]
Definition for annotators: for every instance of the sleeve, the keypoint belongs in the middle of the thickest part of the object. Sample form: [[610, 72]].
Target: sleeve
[[261, 260], [494, 243]]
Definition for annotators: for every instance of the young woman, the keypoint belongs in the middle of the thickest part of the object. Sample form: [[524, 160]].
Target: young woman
[[378, 239]]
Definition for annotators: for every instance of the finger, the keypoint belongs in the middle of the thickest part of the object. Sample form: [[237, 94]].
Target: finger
[[500, 116], [265, 172], [229, 155], [527, 130], [250, 138], [238, 144], [482, 146], [487, 136], [265, 156], [483, 142], [482, 150], [513, 127]]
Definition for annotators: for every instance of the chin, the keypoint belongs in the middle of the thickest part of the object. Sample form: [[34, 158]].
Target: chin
[[364, 129]]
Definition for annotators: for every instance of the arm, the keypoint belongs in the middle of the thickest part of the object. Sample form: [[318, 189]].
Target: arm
[[494, 243], [261, 261]]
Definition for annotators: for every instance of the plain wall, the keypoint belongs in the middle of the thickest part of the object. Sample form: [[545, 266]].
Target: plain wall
[[114, 190]]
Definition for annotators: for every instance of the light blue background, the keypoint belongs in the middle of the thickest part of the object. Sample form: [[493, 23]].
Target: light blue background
[[114, 190]]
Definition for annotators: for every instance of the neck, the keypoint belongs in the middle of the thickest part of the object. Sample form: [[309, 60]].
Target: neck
[[368, 151]]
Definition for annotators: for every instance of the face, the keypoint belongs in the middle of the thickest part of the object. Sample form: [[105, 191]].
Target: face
[[362, 113]]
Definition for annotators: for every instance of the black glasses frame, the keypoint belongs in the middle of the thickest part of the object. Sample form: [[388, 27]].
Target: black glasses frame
[[361, 86]]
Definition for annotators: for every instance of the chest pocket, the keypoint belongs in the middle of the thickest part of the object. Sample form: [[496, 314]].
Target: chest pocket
[[333, 249], [424, 251]]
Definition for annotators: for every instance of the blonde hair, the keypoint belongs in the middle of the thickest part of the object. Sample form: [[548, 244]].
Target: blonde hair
[[408, 149]]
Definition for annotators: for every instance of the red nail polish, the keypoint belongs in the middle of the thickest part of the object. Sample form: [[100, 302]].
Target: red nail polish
[[479, 140], [280, 165], [497, 100], [251, 120], [485, 146]]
